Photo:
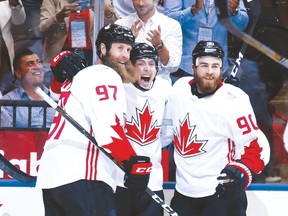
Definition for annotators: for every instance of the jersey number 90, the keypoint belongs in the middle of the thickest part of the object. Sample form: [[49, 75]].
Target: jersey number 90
[[246, 124]]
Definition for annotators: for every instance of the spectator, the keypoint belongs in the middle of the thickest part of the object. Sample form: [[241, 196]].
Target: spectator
[[146, 101], [55, 19], [110, 15], [28, 34], [12, 12], [75, 177], [30, 74], [218, 144], [154, 28], [198, 19], [124, 8]]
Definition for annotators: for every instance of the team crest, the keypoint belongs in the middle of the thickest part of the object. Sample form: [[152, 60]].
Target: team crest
[[186, 142], [142, 129]]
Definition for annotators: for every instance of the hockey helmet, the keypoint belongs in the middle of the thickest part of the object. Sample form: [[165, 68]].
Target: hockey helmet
[[113, 33], [66, 65], [143, 50], [207, 48]]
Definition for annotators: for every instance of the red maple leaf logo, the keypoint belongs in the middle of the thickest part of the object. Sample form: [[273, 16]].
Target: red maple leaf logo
[[115, 148], [142, 130], [185, 142], [116, 142]]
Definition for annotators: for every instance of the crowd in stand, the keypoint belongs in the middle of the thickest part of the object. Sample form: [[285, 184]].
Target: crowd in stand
[[32, 32]]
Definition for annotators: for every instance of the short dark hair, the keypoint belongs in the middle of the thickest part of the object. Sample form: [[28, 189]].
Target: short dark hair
[[19, 54]]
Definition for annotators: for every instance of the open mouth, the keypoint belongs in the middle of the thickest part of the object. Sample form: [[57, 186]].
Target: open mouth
[[145, 79], [144, 82]]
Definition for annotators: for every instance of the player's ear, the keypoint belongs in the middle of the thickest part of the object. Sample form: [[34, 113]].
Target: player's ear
[[193, 67], [103, 49]]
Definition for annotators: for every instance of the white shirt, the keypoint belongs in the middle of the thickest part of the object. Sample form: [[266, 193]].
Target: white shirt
[[171, 35]]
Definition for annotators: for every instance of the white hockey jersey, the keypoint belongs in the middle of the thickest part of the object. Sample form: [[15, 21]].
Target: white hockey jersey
[[210, 132], [96, 100], [144, 116]]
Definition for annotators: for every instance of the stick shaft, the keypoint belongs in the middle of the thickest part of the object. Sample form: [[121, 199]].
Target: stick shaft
[[226, 22], [253, 19]]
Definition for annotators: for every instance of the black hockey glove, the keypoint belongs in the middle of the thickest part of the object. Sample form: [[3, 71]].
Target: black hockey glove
[[66, 65], [233, 180], [137, 175]]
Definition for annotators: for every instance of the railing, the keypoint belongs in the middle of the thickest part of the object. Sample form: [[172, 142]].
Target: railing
[[22, 143], [24, 103]]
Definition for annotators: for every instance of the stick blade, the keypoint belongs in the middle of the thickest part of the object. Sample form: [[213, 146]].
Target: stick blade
[[14, 172]]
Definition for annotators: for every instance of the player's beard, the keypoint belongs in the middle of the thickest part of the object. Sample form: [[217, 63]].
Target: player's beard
[[127, 73], [205, 87]]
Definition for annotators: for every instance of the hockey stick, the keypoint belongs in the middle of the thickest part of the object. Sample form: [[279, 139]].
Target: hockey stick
[[14, 172], [224, 19], [82, 130], [253, 19]]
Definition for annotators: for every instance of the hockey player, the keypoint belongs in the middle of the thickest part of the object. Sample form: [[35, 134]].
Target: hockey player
[[146, 101], [218, 144], [76, 178]]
